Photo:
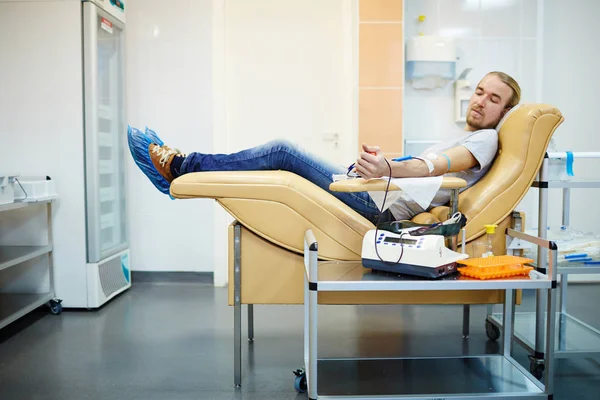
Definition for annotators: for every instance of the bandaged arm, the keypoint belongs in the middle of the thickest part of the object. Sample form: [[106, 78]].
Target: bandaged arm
[[460, 159]]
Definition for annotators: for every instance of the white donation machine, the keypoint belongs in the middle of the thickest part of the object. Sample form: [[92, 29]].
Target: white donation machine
[[401, 253]]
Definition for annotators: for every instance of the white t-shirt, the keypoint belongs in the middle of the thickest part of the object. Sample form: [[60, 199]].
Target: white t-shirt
[[482, 144]]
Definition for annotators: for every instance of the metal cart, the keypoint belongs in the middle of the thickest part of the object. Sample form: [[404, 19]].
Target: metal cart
[[26, 271], [465, 377], [574, 337]]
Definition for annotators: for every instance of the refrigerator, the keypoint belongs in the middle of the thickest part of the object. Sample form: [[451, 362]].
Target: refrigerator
[[62, 76], [107, 263]]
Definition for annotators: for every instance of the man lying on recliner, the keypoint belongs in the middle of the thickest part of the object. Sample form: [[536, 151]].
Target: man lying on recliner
[[468, 157]]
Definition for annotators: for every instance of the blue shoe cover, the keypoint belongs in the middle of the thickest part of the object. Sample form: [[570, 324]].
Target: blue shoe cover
[[138, 146], [154, 137]]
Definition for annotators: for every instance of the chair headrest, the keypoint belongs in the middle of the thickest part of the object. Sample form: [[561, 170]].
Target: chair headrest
[[523, 137], [505, 117]]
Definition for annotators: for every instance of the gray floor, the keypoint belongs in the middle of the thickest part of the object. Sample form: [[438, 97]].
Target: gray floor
[[171, 341]]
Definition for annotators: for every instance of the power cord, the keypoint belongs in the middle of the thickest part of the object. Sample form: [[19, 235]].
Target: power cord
[[23, 189], [456, 218], [387, 188]]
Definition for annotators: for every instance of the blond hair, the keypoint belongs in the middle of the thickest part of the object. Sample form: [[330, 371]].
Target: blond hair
[[512, 83]]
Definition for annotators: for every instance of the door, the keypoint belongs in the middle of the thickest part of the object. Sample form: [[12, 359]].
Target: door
[[290, 74], [104, 133], [285, 70]]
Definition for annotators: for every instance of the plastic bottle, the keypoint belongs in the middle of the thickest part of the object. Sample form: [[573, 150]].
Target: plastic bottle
[[491, 233]]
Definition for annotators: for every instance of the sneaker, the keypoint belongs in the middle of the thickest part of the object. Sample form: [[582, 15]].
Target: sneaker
[[154, 137], [162, 157], [139, 146]]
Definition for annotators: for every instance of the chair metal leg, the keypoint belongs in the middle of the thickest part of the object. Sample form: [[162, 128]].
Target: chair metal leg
[[466, 320], [454, 244], [250, 323], [237, 308]]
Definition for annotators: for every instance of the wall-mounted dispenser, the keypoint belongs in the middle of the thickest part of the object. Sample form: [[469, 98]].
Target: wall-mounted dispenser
[[430, 61], [462, 95]]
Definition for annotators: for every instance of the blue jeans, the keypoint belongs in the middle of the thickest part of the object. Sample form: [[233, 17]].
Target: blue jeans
[[283, 155]]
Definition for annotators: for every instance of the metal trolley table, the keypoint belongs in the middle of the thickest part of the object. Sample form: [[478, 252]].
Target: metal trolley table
[[466, 377], [574, 338]]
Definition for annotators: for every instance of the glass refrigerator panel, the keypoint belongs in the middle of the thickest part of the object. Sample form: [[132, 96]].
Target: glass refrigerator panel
[[111, 181], [106, 190]]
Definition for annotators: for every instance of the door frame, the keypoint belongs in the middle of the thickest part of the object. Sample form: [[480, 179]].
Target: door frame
[[221, 136]]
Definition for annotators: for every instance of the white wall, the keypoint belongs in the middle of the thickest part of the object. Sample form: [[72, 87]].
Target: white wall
[[169, 88], [571, 82], [568, 81]]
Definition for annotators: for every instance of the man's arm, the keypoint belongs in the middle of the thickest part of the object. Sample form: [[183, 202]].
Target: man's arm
[[371, 166], [460, 159]]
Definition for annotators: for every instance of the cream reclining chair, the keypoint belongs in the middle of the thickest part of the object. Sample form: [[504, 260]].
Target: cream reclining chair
[[273, 210]]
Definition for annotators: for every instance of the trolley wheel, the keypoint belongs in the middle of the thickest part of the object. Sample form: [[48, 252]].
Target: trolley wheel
[[55, 306], [300, 381], [492, 330], [537, 369]]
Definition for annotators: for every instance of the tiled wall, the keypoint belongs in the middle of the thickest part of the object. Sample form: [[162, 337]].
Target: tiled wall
[[381, 74], [490, 35]]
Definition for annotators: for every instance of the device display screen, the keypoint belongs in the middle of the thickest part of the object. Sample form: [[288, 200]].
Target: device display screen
[[399, 240]]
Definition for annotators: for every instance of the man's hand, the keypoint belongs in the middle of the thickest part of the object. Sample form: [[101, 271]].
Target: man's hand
[[371, 163]]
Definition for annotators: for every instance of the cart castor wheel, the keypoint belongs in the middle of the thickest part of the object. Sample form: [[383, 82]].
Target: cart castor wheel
[[55, 306], [536, 367], [300, 381], [492, 330]]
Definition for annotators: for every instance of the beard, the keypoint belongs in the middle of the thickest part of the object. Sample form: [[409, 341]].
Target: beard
[[477, 123], [473, 123]]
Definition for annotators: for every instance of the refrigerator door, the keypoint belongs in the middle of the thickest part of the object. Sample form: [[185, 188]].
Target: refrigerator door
[[116, 8], [104, 133]]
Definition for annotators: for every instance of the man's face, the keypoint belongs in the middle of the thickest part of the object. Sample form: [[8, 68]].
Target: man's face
[[488, 104]]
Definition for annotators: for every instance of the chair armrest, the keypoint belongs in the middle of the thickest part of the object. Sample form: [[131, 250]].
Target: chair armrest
[[425, 218], [441, 212], [364, 185]]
